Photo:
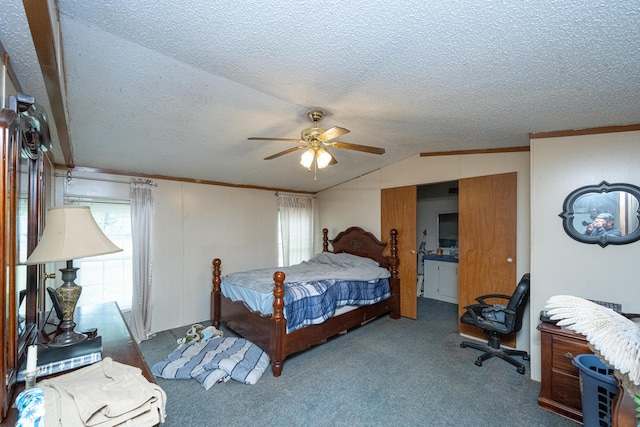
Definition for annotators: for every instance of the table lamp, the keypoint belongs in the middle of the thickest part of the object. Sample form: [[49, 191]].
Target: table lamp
[[70, 232]]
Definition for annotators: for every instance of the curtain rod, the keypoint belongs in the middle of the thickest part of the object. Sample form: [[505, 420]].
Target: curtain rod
[[69, 177], [278, 193]]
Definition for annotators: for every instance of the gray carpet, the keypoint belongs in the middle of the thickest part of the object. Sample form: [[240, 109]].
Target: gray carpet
[[390, 372]]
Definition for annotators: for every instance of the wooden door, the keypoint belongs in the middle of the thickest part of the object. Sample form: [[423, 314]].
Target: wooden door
[[487, 248], [398, 210]]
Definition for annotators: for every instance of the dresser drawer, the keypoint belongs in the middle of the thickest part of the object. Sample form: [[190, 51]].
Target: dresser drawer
[[560, 380], [564, 350], [565, 388]]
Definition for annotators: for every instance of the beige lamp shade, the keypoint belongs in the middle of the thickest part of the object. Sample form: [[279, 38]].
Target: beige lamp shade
[[70, 233]]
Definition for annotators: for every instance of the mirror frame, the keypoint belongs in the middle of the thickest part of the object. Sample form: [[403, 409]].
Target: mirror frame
[[568, 213]]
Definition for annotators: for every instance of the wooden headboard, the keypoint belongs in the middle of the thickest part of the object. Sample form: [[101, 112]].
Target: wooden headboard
[[356, 241]]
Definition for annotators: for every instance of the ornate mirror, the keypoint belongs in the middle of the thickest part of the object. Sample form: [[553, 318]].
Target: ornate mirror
[[604, 214]]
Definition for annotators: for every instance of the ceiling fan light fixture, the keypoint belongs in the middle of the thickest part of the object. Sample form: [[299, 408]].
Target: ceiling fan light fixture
[[307, 158], [323, 158], [313, 141]]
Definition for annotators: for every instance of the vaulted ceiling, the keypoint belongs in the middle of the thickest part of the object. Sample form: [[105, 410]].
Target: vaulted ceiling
[[174, 89]]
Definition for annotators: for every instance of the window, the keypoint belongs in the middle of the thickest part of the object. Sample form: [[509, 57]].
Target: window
[[448, 230], [295, 229], [108, 277]]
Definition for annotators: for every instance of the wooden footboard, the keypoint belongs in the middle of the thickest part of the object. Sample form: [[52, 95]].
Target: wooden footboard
[[269, 332]]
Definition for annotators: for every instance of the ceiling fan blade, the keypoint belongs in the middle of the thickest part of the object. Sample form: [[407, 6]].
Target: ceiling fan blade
[[333, 159], [255, 138], [350, 146], [282, 153], [334, 132]]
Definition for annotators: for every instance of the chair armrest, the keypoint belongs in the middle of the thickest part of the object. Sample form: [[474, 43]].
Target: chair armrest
[[473, 313], [471, 306], [481, 298]]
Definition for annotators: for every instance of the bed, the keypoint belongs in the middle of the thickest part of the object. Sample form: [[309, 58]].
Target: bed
[[269, 331]]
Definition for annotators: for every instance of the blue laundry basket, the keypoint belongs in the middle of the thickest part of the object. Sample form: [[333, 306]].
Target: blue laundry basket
[[598, 387]]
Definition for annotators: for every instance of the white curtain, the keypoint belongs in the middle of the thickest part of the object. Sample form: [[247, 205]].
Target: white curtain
[[141, 236], [296, 229]]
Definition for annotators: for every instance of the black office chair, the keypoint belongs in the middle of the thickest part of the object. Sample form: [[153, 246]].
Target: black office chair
[[505, 321]]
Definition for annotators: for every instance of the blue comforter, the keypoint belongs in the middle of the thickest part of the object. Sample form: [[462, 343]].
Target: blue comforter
[[314, 289], [314, 302]]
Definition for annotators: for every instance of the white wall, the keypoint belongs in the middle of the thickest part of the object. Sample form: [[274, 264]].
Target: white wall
[[194, 223], [427, 218], [559, 264], [6, 87], [338, 207]]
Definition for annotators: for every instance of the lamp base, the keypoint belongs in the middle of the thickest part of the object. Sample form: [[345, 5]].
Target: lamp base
[[68, 337], [68, 295]]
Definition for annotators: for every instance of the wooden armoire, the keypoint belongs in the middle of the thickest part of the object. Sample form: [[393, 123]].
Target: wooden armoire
[[24, 175]]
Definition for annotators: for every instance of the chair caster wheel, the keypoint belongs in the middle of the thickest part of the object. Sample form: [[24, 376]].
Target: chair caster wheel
[[463, 346], [478, 362], [521, 370], [525, 357]]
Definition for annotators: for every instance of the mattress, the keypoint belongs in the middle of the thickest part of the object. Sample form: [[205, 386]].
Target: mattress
[[314, 289]]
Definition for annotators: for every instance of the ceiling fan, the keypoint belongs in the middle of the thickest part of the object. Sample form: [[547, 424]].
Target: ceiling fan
[[316, 140]]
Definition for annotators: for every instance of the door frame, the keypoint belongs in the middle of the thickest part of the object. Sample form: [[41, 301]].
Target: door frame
[[398, 210]]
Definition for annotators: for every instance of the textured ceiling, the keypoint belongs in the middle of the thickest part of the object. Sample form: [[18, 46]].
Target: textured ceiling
[[175, 89]]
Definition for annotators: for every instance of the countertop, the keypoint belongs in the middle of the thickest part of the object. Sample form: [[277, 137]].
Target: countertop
[[434, 257]]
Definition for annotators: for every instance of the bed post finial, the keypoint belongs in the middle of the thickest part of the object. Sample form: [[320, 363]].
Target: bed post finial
[[325, 240], [278, 294], [215, 294]]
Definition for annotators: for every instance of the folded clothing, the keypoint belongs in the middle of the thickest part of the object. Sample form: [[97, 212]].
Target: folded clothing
[[214, 361], [30, 404], [107, 393]]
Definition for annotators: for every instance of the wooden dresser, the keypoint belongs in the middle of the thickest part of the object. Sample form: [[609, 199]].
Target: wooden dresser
[[117, 342], [560, 381]]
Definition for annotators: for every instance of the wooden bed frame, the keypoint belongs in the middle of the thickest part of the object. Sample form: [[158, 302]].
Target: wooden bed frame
[[269, 332]]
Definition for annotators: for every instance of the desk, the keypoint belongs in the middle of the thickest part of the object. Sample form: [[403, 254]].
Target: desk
[[117, 342]]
